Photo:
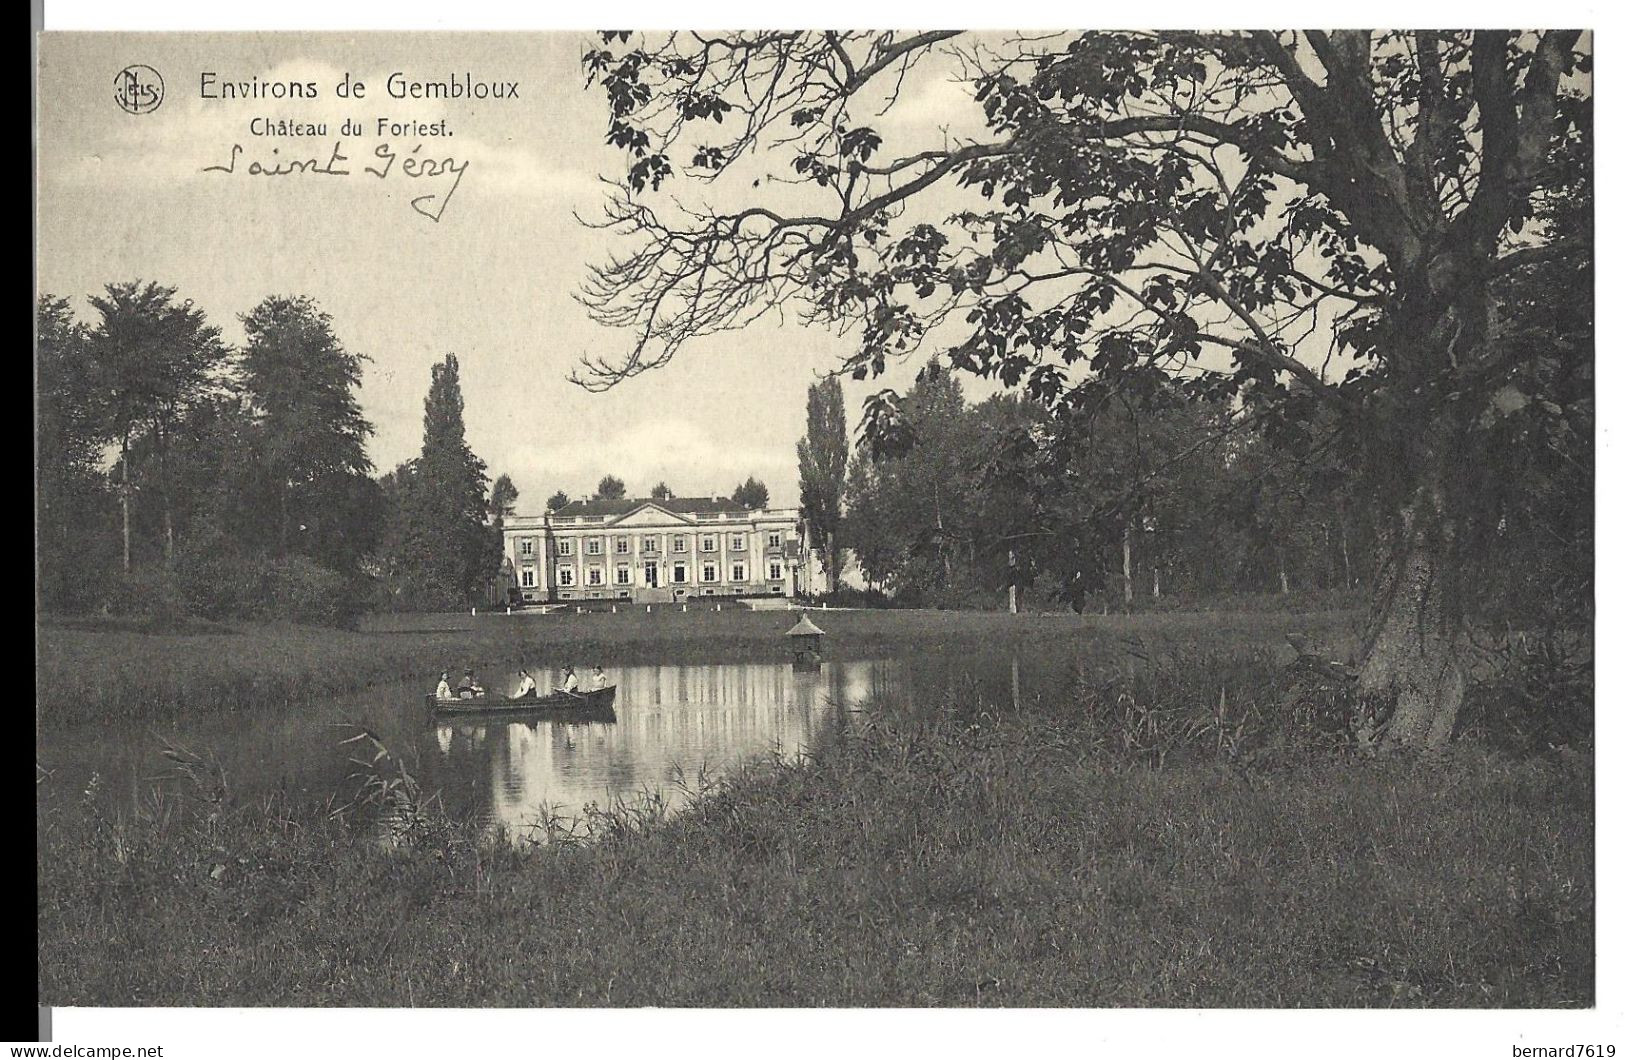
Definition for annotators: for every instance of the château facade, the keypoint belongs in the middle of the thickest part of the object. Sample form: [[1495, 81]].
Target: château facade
[[654, 551]]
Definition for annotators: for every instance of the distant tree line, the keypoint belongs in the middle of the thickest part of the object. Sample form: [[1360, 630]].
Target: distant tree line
[[177, 474], [1139, 498]]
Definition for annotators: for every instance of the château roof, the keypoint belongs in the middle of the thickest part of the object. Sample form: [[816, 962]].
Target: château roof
[[680, 505]]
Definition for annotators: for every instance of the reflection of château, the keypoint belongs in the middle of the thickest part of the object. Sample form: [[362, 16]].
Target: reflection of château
[[687, 717], [654, 551]]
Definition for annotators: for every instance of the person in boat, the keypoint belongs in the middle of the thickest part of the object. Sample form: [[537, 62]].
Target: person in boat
[[599, 678], [443, 689], [572, 684], [470, 686], [527, 686]]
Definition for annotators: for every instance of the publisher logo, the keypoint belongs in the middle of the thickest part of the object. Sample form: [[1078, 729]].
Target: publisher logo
[[138, 89]]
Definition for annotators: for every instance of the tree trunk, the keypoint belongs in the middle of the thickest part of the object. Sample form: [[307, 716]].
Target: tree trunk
[[1128, 568], [1015, 602], [164, 498], [1411, 677], [282, 521], [124, 495]]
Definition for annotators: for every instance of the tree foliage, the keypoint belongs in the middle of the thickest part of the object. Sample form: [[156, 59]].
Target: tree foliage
[[309, 437], [154, 358], [69, 433], [444, 551], [1303, 227], [821, 456], [504, 496], [752, 493]]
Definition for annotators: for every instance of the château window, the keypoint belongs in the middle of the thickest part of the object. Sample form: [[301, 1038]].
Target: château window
[[708, 573], [774, 571], [739, 572], [623, 545], [736, 543], [623, 575], [567, 575], [679, 544], [595, 575], [651, 544], [775, 538], [527, 578], [679, 572], [708, 544], [526, 546], [595, 546], [566, 547]]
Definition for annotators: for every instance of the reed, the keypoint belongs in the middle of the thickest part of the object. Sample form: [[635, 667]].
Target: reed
[[1118, 847]]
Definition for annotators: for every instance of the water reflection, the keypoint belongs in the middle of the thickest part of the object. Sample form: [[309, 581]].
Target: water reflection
[[671, 721], [502, 771]]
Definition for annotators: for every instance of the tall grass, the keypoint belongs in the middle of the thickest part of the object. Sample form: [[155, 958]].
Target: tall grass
[[970, 855]]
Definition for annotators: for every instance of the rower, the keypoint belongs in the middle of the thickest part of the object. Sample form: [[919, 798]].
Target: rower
[[470, 687], [571, 684], [527, 684]]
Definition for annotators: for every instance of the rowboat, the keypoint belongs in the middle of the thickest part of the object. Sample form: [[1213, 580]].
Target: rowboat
[[595, 705]]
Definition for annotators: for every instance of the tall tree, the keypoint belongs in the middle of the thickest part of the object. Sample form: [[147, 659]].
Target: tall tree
[[449, 553], [311, 437], [557, 501], [153, 359], [661, 492], [504, 496], [609, 488], [1231, 208], [821, 456], [867, 523], [752, 493], [68, 437]]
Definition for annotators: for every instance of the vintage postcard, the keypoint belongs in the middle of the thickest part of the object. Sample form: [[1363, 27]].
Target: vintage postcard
[[1094, 521]]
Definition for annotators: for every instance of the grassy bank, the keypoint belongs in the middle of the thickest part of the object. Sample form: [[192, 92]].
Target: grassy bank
[[959, 858], [91, 670]]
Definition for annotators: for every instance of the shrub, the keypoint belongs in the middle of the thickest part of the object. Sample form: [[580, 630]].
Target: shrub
[[1538, 692], [231, 585], [149, 592]]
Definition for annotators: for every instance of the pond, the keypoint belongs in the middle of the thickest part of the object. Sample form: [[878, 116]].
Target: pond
[[672, 725]]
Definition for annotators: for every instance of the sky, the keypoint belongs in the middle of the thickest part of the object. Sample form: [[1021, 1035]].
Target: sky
[[125, 196]]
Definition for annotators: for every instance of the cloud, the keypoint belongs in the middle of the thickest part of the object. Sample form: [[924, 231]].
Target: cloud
[[687, 456]]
